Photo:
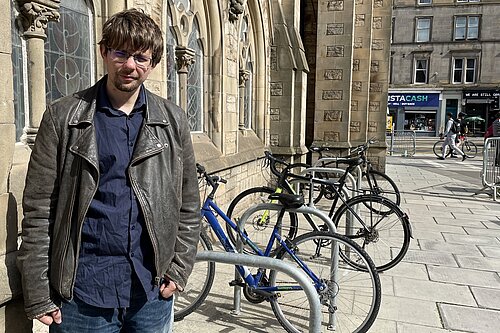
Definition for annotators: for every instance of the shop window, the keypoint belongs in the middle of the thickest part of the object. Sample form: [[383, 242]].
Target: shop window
[[423, 30], [424, 2], [420, 121], [195, 81], [19, 70], [464, 70], [69, 51], [421, 71], [172, 77], [466, 27]]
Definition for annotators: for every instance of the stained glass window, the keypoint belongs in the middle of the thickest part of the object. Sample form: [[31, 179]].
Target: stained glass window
[[194, 82], [18, 69], [183, 4], [68, 51], [172, 77]]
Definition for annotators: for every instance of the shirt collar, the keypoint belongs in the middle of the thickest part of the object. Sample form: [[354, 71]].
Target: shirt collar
[[103, 102]]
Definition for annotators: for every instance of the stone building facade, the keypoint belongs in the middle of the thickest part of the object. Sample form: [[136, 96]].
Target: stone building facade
[[444, 59], [248, 73]]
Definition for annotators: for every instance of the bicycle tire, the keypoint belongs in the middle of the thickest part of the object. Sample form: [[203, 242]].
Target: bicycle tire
[[470, 149], [438, 149], [381, 185], [199, 284], [357, 292], [387, 235], [257, 229]]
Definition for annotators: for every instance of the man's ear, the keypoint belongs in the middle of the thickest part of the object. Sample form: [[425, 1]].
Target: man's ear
[[103, 50]]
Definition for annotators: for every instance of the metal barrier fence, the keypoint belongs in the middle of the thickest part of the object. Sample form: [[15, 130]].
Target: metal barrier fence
[[490, 174], [276, 264], [402, 143]]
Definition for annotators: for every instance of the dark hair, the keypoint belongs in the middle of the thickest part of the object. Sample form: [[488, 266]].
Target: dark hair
[[449, 114], [133, 30], [462, 114]]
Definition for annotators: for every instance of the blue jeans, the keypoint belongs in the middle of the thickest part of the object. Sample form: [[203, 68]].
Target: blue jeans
[[155, 316]]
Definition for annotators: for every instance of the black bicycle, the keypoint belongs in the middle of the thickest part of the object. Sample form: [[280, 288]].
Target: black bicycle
[[468, 147]]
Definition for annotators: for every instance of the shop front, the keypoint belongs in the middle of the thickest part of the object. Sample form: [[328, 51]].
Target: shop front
[[414, 111], [480, 107]]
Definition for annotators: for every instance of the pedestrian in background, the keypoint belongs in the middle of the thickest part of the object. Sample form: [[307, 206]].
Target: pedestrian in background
[[450, 135], [111, 202]]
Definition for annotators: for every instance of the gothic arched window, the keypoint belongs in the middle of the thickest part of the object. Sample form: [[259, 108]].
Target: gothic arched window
[[195, 81], [69, 50], [19, 71], [248, 99]]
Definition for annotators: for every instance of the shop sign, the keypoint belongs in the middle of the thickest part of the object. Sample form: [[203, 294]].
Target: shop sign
[[413, 99], [481, 94]]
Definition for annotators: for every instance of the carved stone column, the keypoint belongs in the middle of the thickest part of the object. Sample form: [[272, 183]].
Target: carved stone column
[[35, 15], [244, 75], [184, 57]]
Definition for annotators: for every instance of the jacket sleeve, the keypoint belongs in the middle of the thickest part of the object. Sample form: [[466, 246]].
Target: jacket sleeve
[[39, 202], [447, 127], [190, 215]]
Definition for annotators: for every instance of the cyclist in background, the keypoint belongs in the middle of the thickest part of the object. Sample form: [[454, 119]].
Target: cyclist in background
[[450, 134], [462, 132]]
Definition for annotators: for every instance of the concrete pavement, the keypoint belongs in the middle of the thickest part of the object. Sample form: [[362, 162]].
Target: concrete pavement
[[448, 282]]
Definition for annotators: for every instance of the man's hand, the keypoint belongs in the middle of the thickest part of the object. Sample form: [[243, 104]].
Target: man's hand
[[167, 289], [49, 318]]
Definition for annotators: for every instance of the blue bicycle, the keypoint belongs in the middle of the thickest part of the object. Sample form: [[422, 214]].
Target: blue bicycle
[[350, 296]]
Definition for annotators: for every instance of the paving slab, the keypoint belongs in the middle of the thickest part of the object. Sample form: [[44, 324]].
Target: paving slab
[[482, 232], [411, 328], [464, 276], [489, 251], [430, 257], [470, 239], [432, 245], [408, 269], [410, 311], [433, 291], [484, 264], [487, 298], [462, 222], [469, 319]]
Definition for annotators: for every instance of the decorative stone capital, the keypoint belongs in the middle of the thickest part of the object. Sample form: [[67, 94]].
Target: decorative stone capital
[[184, 57], [236, 8], [36, 14], [30, 135], [244, 75]]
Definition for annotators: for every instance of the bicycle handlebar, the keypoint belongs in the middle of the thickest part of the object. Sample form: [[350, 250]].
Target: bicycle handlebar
[[212, 180]]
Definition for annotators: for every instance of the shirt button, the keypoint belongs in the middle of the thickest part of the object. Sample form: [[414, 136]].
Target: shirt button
[[132, 254], [133, 227]]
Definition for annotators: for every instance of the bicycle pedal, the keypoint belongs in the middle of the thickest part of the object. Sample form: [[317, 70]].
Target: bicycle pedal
[[237, 282]]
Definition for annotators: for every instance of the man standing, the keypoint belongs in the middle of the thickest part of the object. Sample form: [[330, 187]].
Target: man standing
[[111, 203], [450, 137]]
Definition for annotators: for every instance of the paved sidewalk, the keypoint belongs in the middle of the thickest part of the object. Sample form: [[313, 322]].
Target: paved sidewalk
[[448, 282]]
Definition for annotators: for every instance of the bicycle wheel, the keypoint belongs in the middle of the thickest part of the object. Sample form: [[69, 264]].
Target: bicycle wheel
[[350, 298], [260, 224], [438, 148], [470, 149], [199, 283], [378, 183], [382, 229]]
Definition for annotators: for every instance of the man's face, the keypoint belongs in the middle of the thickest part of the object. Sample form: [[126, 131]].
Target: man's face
[[127, 69]]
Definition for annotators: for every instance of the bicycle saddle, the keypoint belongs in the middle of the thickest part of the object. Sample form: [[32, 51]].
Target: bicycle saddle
[[288, 200]]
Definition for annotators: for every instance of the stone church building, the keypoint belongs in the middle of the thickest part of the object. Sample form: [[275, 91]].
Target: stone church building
[[252, 75]]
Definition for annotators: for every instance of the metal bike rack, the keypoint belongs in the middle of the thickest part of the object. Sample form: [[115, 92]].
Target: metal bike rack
[[490, 173], [301, 210], [271, 263]]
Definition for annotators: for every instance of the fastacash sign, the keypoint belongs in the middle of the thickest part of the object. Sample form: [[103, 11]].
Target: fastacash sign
[[412, 99]]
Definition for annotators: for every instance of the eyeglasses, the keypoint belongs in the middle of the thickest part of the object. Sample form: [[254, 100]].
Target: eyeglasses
[[120, 56]]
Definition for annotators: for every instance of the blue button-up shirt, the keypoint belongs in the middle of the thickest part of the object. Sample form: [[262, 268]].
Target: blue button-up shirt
[[116, 256]]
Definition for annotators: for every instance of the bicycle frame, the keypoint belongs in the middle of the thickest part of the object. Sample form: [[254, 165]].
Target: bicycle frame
[[208, 209]]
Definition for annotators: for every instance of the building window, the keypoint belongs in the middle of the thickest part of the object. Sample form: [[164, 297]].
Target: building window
[[464, 70], [421, 71], [195, 81], [69, 51], [466, 27], [172, 77], [468, 0], [423, 29], [424, 2], [19, 71]]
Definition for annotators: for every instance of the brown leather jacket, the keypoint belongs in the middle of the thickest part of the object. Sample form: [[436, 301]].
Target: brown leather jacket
[[63, 175]]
